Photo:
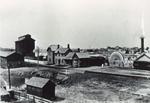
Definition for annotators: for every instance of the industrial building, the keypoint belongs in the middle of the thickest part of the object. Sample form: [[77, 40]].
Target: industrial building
[[25, 45]]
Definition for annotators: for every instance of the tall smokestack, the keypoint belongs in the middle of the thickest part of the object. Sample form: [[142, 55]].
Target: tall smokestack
[[143, 32], [142, 44]]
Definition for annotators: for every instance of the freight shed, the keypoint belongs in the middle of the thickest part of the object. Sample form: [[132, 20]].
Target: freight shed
[[41, 87], [84, 59], [142, 62], [10, 59]]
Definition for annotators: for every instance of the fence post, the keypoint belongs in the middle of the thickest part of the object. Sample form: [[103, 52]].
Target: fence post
[[33, 97], [19, 95], [27, 97]]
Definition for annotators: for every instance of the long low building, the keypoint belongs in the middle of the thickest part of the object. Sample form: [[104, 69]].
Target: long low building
[[78, 59], [10, 59]]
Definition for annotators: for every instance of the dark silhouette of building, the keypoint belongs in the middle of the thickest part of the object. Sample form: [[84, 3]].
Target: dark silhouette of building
[[10, 59], [41, 87], [25, 45]]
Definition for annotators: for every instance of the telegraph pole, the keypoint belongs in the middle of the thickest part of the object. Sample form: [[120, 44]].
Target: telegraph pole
[[9, 80], [38, 58], [38, 51]]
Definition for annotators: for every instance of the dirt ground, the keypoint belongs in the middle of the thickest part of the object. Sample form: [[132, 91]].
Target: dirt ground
[[99, 88], [91, 88]]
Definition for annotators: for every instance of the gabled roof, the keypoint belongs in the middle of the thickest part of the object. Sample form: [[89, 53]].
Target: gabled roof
[[144, 57], [97, 55], [70, 55], [6, 53], [83, 55], [37, 82], [62, 50], [78, 54], [52, 47], [3, 92]]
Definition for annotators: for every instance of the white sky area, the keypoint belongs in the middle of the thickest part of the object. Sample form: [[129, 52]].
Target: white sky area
[[81, 23]]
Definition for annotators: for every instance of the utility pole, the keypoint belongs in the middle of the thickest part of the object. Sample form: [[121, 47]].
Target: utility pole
[[38, 58], [38, 51], [9, 81]]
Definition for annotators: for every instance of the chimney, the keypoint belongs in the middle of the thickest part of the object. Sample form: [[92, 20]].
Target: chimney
[[142, 44], [28, 36], [68, 46], [78, 50], [143, 32], [58, 46]]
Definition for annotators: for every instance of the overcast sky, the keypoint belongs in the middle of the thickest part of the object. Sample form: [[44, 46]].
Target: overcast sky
[[81, 23]]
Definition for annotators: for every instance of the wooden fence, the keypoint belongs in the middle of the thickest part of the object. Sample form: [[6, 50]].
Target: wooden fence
[[35, 99]]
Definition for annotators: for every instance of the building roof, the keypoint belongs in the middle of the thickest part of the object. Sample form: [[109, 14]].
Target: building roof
[[62, 50], [53, 47], [82, 55], [37, 82], [24, 37], [70, 55], [97, 55], [6, 53], [76, 49], [144, 57], [3, 92], [78, 54]]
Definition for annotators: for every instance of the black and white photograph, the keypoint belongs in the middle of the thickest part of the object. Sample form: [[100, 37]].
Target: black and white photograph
[[74, 51]]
